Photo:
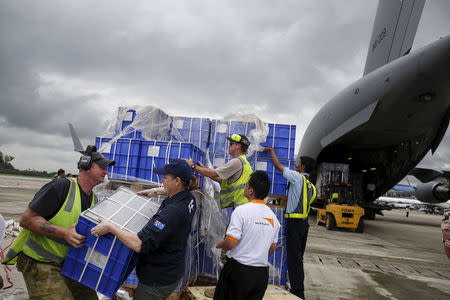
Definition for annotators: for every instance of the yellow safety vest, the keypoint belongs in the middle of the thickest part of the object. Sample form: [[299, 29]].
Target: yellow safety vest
[[308, 197], [49, 249], [234, 192]]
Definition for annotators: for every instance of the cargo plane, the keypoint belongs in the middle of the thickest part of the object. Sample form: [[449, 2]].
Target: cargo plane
[[383, 124]]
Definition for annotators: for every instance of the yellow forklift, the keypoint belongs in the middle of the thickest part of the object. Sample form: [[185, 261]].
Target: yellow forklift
[[336, 215]]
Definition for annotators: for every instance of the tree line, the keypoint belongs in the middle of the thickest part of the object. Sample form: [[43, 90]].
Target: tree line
[[7, 168]]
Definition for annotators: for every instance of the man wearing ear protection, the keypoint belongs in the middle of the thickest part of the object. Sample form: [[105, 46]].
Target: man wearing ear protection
[[233, 175], [49, 229]]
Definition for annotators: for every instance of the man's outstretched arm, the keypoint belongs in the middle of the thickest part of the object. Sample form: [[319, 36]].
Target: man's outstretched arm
[[275, 160]]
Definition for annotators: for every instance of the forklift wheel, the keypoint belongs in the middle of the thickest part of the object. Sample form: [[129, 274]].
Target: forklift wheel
[[330, 222], [360, 228], [370, 215]]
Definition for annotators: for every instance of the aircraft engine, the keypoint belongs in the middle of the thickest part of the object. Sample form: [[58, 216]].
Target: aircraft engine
[[433, 192]]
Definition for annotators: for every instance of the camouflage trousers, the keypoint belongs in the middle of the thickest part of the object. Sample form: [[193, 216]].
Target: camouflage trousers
[[44, 281]]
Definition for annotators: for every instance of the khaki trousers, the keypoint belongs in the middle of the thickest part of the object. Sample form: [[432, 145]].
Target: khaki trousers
[[45, 282]]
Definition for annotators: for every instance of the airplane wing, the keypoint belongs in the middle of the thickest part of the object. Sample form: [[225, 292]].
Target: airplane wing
[[76, 141], [393, 32], [425, 175]]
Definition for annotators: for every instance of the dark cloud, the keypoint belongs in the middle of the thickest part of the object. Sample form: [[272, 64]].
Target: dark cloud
[[76, 62]]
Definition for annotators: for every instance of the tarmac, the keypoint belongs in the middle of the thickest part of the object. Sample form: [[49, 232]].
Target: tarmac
[[395, 258]]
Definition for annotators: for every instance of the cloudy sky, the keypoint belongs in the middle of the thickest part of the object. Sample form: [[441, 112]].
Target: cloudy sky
[[77, 61]]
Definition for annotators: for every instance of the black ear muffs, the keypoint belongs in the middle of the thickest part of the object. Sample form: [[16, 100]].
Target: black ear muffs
[[85, 162]]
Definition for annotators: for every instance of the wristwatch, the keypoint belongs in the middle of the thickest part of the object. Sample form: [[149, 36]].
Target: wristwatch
[[193, 166]]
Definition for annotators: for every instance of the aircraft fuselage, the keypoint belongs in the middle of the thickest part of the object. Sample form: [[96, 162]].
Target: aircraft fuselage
[[385, 123]]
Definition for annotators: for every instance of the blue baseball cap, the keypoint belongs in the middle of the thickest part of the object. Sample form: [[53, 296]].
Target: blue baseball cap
[[178, 168]]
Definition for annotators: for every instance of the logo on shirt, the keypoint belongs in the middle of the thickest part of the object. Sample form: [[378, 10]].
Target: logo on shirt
[[191, 206], [270, 221], [159, 225]]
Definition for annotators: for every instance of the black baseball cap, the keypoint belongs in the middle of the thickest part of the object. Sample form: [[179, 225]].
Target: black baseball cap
[[99, 159], [178, 168], [240, 139]]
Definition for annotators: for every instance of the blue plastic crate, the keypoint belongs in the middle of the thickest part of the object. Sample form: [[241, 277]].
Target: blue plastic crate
[[191, 130], [155, 154], [154, 124], [282, 139], [206, 264], [278, 184], [132, 132], [278, 259], [127, 120], [192, 252], [90, 265], [132, 279], [125, 152], [220, 129]]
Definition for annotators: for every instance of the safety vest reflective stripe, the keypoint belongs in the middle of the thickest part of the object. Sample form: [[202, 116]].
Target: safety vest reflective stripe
[[43, 252], [10, 255], [60, 241], [232, 189], [71, 198], [296, 216], [308, 192], [226, 200]]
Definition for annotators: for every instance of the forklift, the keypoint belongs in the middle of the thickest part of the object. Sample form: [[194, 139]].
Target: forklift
[[336, 214]]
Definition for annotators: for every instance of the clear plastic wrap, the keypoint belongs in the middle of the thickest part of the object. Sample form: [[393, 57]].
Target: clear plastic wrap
[[257, 135], [149, 121], [250, 125]]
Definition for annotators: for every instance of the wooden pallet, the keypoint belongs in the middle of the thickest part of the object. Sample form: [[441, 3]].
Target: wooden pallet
[[273, 292]]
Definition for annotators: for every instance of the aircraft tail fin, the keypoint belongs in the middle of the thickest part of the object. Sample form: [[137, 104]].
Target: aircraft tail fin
[[393, 32], [76, 141]]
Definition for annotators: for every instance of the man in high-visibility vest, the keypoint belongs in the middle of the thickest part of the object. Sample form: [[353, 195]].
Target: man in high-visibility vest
[[301, 193], [334, 198], [233, 175], [49, 229]]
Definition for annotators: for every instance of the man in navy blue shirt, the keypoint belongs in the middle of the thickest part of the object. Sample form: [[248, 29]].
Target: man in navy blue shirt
[[161, 244]]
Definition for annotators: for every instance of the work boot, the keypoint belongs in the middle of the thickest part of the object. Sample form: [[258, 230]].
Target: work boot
[[209, 292]]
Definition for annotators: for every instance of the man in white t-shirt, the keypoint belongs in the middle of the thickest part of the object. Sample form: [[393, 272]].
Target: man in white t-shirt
[[251, 236]]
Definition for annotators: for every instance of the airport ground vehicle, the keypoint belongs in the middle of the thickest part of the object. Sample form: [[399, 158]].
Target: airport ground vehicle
[[341, 216]]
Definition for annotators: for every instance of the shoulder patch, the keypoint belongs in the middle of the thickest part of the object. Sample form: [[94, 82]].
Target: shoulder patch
[[159, 225]]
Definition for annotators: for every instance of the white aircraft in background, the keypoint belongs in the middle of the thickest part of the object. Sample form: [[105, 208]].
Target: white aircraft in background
[[396, 202]]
